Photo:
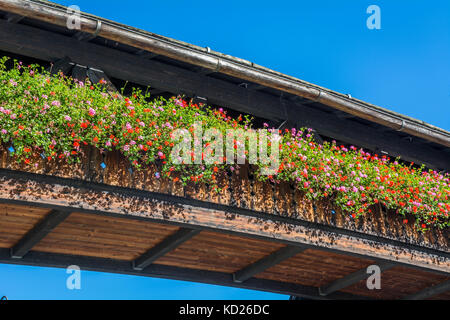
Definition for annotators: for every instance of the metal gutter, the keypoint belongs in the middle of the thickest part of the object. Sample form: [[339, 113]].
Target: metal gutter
[[242, 69]]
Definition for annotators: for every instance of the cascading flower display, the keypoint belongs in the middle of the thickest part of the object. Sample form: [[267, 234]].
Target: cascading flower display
[[53, 116]]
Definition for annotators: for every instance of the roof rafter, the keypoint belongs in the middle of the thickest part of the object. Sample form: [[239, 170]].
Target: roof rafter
[[36, 234], [165, 246], [352, 278], [266, 262]]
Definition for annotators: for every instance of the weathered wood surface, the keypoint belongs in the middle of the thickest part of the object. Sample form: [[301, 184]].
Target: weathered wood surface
[[135, 202], [239, 189]]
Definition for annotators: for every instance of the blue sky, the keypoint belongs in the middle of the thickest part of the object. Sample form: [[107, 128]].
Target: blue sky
[[404, 67]]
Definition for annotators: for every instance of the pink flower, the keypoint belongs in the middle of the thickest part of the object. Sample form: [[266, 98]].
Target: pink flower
[[67, 118], [91, 112]]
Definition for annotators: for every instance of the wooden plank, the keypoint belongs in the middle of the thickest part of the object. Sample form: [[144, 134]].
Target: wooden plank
[[429, 292], [36, 234], [351, 279], [165, 246], [266, 262]]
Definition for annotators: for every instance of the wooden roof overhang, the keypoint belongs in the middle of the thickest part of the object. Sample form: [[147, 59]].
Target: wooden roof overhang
[[252, 235], [37, 29]]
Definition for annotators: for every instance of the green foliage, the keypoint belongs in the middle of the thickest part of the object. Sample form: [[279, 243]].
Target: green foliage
[[53, 116]]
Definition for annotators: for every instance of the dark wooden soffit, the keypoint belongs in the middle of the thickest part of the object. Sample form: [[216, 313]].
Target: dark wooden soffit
[[40, 44], [83, 196]]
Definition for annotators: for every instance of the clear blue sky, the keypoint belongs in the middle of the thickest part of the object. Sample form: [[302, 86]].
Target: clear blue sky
[[404, 67]]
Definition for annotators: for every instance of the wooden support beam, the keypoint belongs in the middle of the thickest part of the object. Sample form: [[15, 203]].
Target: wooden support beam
[[343, 115], [56, 260], [266, 262], [95, 75], [255, 86], [79, 72], [167, 245], [13, 18], [146, 54], [63, 65], [46, 45], [50, 221], [100, 198], [429, 292], [351, 279]]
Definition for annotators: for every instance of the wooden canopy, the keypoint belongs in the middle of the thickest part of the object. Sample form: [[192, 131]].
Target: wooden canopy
[[252, 234]]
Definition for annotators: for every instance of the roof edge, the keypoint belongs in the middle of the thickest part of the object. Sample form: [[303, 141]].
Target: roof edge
[[218, 62]]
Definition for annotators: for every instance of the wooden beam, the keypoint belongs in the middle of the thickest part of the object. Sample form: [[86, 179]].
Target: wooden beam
[[56, 260], [429, 292], [71, 194], [13, 18], [351, 279], [146, 54], [50, 221], [266, 262], [165, 246], [79, 72], [46, 45], [63, 65], [95, 75]]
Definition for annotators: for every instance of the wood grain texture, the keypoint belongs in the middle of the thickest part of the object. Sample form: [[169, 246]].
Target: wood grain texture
[[16, 221], [171, 210], [239, 190], [218, 252], [106, 237]]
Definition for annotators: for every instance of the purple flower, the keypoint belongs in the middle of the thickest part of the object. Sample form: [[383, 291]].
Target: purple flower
[[56, 103], [67, 118]]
